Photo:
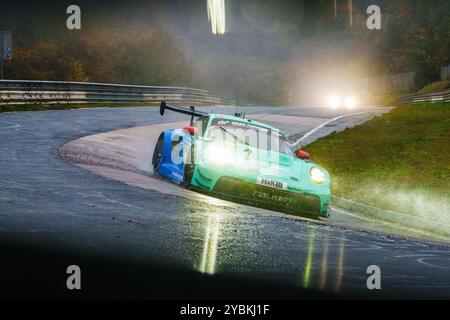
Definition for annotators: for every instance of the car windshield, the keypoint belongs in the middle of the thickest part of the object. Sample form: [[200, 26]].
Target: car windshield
[[201, 124], [249, 134]]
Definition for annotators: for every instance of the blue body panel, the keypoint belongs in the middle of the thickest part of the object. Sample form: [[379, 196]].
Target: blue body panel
[[173, 167]]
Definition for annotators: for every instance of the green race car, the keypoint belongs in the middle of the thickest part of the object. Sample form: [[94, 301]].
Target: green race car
[[241, 160]]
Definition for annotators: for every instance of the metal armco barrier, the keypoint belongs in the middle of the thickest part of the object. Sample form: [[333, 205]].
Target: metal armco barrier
[[428, 97], [59, 92]]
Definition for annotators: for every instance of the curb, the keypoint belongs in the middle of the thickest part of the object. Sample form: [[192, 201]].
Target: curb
[[401, 219]]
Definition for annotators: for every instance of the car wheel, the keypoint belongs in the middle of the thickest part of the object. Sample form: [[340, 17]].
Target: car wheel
[[157, 154]]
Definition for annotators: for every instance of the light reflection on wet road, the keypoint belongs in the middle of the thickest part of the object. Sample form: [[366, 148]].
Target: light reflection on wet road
[[44, 198], [312, 255]]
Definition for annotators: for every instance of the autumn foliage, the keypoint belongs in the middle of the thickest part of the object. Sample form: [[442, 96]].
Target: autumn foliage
[[133, 54]]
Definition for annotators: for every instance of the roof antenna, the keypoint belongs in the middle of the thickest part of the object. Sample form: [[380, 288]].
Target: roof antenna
[[237, 101]]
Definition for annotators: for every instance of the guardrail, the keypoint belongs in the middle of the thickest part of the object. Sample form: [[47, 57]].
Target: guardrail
[[428, 97], [61, 92]]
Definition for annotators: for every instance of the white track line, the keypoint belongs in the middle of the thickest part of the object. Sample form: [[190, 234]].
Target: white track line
[[10, 127], [306, 135]]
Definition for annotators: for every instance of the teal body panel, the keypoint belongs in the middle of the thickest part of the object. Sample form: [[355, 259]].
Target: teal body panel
[[291, 174]]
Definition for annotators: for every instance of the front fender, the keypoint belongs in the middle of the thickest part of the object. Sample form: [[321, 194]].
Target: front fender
[[172, 163]]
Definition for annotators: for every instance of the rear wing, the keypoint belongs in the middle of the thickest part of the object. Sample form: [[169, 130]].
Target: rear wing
[[191, 111]]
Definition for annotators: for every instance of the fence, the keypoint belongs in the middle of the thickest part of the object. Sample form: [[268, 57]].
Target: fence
[[59, 92]]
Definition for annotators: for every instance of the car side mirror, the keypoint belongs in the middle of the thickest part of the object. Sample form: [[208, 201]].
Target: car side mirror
[[191, 130], [302, 154]]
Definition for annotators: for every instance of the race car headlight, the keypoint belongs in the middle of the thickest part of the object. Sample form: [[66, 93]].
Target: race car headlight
[[218, 154], [317, 175]]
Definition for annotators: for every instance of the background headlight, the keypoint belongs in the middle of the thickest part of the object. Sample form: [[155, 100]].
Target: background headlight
[[334, 101], [317, 175], [350, 102]]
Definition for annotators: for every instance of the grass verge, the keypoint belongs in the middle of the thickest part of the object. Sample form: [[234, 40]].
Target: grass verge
[[386, 100], [399, 161], [436, 87]]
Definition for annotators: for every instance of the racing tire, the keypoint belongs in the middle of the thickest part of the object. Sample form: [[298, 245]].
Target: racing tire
[[189, 168], [157, 154]]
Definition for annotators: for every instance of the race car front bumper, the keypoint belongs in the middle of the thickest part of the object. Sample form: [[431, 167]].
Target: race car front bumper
[[247, 193]]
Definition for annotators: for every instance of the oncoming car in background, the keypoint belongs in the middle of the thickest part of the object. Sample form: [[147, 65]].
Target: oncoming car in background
[[241, 160], [343, 96], [336, 101]]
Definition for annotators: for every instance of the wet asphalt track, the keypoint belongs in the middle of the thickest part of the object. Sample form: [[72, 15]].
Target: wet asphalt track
[[47, 202]]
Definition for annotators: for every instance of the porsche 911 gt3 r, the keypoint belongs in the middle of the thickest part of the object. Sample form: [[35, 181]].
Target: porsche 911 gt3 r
[[242, 160]]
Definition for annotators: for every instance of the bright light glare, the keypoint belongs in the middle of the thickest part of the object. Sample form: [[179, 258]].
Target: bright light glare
[[334, 101], [216, 15], [217, 154], [317, 175], [210, 245], [350, 102]]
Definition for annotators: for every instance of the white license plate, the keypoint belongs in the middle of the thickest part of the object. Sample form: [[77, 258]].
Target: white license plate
[[272, 183]]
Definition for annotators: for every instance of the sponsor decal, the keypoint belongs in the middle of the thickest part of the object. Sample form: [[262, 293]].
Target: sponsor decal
[[272, 183], [271, 197], [177, 175]]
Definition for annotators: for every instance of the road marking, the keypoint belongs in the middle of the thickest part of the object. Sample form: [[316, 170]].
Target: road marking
[[310, 132], [11, 127]]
